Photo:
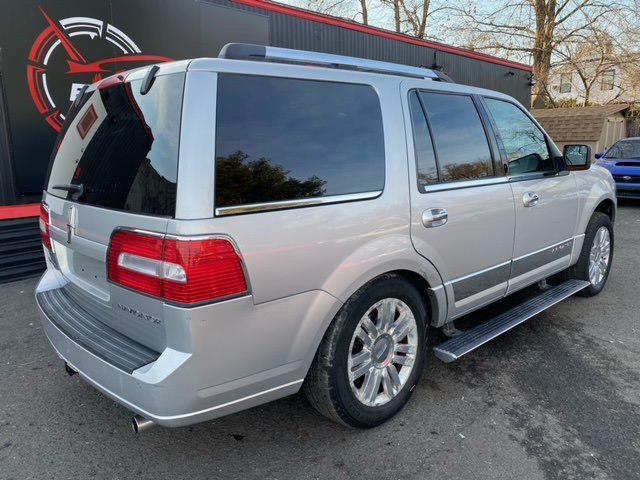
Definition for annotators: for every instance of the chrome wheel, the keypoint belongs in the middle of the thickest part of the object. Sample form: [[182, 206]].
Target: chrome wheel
[[382, 352], [599, 256]]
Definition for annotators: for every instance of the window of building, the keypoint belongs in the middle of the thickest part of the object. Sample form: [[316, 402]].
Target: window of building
[[608, 78], [524, 142], [283, 139], [459, 138], [565, 83]]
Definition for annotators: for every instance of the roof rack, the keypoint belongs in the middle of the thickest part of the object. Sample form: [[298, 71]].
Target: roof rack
[[246, 51]]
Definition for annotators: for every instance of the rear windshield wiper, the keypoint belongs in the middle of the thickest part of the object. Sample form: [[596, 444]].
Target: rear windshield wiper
[[77, 190]]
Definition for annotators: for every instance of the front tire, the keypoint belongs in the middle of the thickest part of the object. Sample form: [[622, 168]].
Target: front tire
[[596, 256], [372, 355]]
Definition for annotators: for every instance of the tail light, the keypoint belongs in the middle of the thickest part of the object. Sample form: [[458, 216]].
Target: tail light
[[182, 270], [45, 224]]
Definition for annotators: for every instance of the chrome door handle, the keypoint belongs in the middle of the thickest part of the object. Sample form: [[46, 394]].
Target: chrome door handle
[[434, 217], [530, 199]]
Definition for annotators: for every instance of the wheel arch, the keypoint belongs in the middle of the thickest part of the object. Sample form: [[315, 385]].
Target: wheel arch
[[416, 269], [426, 280], [608, 207]]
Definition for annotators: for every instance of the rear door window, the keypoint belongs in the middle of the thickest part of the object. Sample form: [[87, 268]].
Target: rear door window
[[280, 139], [120, 149], [459, 137], [426, 166]]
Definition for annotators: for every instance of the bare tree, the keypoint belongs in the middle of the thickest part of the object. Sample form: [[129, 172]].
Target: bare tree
[[395, 6], [588, 60], [533, 30], [364, 12], [417, 15], [411, 16], [354, 10]]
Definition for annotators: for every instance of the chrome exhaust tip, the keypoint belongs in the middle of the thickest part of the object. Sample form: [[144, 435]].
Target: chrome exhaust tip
[[140, 424]]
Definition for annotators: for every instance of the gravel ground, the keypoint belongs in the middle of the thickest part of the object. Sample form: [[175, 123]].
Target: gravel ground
[[556, 398]]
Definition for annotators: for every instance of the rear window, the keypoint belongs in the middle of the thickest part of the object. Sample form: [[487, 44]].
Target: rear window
[[281, 139], [120, 149]]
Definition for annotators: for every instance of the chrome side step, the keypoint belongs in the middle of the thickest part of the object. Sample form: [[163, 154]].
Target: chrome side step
[[471, 339]]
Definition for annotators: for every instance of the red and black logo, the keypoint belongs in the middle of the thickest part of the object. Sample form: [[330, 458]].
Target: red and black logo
[[82, 50]]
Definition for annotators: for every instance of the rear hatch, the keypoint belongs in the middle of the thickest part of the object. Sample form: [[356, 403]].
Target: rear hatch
[[115, 165]]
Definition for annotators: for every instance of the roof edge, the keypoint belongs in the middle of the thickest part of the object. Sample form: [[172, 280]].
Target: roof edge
[[590, 109], [379, 32]]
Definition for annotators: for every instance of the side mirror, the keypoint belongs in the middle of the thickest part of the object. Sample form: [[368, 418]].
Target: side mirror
[[577, 157], [599, 155]]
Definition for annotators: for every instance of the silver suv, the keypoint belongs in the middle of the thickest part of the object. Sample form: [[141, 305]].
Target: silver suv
[[220, 233]]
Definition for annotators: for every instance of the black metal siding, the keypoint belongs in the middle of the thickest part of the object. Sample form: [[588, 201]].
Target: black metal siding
[[299, 33], [20, 249], [7, 194]]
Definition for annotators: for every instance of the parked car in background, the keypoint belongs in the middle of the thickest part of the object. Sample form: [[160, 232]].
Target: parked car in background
[[220, 233], [623, 161]]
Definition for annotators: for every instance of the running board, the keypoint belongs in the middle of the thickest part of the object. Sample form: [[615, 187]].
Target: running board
[[471, 339]]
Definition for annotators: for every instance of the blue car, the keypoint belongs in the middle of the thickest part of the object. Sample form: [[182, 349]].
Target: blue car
[[623, 161]]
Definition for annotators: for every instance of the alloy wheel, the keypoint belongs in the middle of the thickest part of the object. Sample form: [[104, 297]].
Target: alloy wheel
[[382, 352], [599, 256]]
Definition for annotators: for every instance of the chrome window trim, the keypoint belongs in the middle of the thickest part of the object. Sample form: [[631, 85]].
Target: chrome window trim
[[480, 182], [523, 177], [303, 202]]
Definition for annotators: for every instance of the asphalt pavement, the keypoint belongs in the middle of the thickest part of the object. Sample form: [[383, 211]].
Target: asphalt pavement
[[556, 398]]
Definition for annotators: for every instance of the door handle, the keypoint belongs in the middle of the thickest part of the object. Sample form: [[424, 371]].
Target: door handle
[[434, 217], [530, 199]]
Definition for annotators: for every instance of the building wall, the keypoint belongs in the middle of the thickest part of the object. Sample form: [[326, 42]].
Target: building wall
[[625, 89], [614, 129], [6, 175]]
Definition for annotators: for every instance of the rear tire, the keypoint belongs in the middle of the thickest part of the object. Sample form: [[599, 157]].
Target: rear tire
[[372, 354], [597, 248]]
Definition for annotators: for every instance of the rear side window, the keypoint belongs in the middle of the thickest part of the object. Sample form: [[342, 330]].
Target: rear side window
[[120, 149], [281, 139], [460, 141], [523, 141]]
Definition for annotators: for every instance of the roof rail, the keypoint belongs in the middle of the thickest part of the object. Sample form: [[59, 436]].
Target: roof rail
[[246, 51]]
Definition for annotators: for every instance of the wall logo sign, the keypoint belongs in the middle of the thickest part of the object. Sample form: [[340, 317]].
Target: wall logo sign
[[72, 52]]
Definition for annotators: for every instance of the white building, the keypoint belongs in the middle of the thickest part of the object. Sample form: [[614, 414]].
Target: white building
[[596, 82]]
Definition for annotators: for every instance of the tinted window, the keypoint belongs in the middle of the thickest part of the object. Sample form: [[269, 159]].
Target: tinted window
[[624, 149], [523, 141], [286, 139], [121, 147], [460, 141], [425, 157]]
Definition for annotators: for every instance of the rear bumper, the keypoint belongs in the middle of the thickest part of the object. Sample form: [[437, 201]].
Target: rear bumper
[[182, 388]]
